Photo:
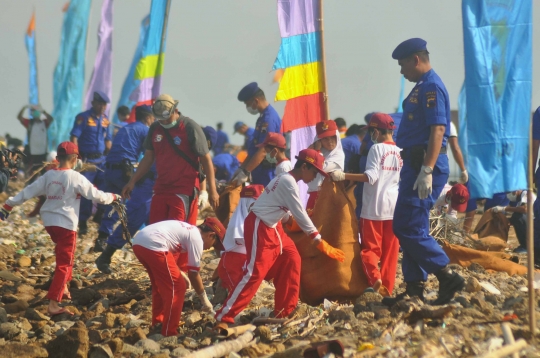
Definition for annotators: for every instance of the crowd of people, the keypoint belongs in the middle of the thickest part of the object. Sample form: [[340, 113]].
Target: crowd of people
[[160, 165]]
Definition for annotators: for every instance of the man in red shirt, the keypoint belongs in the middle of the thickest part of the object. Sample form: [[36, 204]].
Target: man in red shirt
[[179, 147]]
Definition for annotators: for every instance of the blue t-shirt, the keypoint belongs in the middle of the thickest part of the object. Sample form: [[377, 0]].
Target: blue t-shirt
[[222, 139], [128, 143], [351, 145], [225, 164], [91, 131]]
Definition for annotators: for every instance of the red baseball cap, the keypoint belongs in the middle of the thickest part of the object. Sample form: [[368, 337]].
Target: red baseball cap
[[217, 227], [314, 158], [381, 121], [459, 197], [326, 129], [67, 148], [275, 140], [252, 191]]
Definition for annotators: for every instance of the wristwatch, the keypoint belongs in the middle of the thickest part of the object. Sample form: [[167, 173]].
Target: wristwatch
[[428, 170]]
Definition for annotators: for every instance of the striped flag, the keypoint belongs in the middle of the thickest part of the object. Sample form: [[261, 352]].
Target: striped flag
[[30, 40]]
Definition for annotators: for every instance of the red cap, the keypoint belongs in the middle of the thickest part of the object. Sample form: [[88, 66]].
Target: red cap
[[381, 121], [314, 158], [275, 140], [217, 227], [460, 197], [67, 148], [252, 191], [326, 129]]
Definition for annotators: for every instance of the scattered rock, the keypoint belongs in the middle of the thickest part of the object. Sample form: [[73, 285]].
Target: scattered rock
[[3, 315], [109, 320], [101, 351], [17, 306], [33, 314], [116, 345], [94, 336], [192, 318], [24, 261], [134, 323], [9, 330], [18, 350], [73, 343], [179, 352], [129, 349], [148, 345], [134, 335], [472, 285]]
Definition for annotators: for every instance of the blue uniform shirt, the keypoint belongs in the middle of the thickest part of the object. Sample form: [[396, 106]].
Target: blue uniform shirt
[[351, 145], [222, 139], [428, 104], [128, 143], [226, 164], [92, 132], [268, 121], [249, 137]]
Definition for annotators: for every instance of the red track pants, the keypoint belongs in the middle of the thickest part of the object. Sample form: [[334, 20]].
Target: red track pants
[[171, 207], [168, 288], [268, 258], [379, 244], [231, 269], [64, 250]]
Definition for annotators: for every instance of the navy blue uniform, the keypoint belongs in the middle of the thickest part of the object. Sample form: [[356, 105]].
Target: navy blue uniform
[[351, 145], [222, 139], [427, 105], [225, 164], [92, 132]]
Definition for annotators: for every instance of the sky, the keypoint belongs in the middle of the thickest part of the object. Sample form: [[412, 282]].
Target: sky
[[214, 48]]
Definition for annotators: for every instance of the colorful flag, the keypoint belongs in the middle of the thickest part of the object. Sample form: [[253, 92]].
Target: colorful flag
[[68, 81], [299, 71], [101, 79], [498, 85], [30, 40], [401, 96]]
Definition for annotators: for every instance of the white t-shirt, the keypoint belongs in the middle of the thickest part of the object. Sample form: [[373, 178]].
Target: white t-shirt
[[278, 198], [38, 138], [453, 130], [283, 167], [63, 189], [440, 204], [380, 194], [234, 236], [173, 236], [522, 200]]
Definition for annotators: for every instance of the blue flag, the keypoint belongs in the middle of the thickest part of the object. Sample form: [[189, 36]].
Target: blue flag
[[401, 97], [68, 84], [30, 41], [498, 76]]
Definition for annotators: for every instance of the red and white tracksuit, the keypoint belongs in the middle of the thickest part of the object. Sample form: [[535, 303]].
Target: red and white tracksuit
[[172, 207], [271, 254]]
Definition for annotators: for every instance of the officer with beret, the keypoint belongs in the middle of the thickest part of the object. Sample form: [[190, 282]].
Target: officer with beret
[[423, 134], [119, 165], [269, 121], [91, 133]]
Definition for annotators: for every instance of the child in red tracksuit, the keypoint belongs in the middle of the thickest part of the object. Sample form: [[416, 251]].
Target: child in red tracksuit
[[270, 252], [379, 244], [63, 188]]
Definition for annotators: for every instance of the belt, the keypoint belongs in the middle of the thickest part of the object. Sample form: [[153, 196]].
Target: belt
[[406, 153], [91, 155], [114, 166]]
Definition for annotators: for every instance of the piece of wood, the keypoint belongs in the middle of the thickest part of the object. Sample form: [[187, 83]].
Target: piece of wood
[[508, 336], [224, 348], [530, 240], [506, 350], [264, 320], [236, 331]]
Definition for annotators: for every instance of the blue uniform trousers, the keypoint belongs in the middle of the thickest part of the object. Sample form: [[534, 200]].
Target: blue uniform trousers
[[138, 211], [114, 183], [96, 178], [422, 255]]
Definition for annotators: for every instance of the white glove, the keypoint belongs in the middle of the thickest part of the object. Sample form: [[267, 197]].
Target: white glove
[[186, 280], [117, 198], [424, 183], [207, 306], [203, 198], [79, 165], [464, 177], [337, 175], [499, 209], [240, 177]]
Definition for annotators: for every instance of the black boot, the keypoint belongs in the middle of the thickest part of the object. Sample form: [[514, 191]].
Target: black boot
[[414, 288], [103, 262], [450, 282], [100, 242], [83, 228]]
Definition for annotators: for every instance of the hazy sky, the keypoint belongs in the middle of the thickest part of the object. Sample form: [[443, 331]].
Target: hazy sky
[[215, 47]]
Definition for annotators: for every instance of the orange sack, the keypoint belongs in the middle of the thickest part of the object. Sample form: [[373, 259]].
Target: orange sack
[[228, 201], [492, 224]]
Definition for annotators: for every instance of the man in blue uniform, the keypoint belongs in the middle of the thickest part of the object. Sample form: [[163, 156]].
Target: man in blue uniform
[[222, 141], [261, 170], [91, 133], [225, 165], [119, 166], [248, 132], [423, 133]]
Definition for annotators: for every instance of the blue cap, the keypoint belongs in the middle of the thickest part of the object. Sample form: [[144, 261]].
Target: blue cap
[[211, 135], [238, 125], [144, 108], [408, 47], [101, 97], [248, 92]]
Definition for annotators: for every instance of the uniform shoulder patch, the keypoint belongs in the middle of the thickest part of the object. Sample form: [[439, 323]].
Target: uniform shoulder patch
[[431, 99], [79, 120]]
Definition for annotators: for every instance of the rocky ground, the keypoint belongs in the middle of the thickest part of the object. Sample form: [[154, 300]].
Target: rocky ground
[[113, 312]]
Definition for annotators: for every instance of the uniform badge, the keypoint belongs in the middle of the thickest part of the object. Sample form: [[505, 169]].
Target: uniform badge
[[177, 140], [431, 99], [158, 138], [79, 120], [264, 128]]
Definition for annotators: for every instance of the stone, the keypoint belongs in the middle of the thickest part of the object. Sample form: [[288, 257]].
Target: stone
[[264, 333], [122, 319], [3, 315], [65, 324], [156, 337], [18, 350], [162, 354], [45, 330], [24, 261], [109, 320], [15, 307], [148, 345], [87, 296], [94, 336], [190, 343], [35, 315], [179, 352], [98, 308], [129, 349], [339, 315], [134, 323], [9, 330], [133, 335], [116, 345], [472, 285], [479, 300], [74, 343], [24, 324], [192, 318], [100, 351]]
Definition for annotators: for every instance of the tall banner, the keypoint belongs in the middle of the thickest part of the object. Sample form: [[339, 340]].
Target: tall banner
[[498, 83], [101, 79], [130, 84], [68, 81], [30, 41], [299, 72]]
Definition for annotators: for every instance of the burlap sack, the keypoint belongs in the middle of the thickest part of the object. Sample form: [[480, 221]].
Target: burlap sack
[[490, 243], [497, 261], [493, 224], [321, 276], [228, 200]]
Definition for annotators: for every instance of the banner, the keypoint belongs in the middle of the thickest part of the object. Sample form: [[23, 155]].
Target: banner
[[498, 76], [101, 79], [68, 81], [30, 41]]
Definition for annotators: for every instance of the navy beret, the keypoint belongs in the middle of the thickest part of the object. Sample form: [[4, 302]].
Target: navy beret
[[101, 97], [248, 92], [211, 135], [408, 47], [144, 108]]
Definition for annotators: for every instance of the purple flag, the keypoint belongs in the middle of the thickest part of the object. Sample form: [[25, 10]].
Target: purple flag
[[101, 79], [297, 17]]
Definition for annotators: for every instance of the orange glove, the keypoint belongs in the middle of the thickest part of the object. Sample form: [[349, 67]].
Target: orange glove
[[331, 251]]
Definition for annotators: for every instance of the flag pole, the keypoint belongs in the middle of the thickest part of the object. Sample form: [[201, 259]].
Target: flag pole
[[35, 52], [530, 241], [323, 60], [163, 33]]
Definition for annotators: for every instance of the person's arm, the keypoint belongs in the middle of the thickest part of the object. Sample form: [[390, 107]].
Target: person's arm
[[253, 162], [517, 209], [434, 145], [108, 145], [37, 188], [87, 190], [144, 166], [20, 115], [48, 118], [196, 281], [77, 129], [456, 151], [208, 167], [74, 139]]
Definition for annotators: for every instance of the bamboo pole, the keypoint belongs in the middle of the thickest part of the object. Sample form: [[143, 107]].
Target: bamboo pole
[[530, 241], [323, 60]]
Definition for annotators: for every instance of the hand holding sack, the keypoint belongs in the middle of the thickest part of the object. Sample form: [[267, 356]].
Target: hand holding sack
[[331, 251], [424, 182], [5, 211], [240, 177], [206, 304], [338, 175], [499, 209]]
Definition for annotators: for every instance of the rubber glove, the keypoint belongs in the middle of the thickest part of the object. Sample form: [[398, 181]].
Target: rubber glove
[[4, 212], [499, 209], [207, 306], [464, 177], [117, 198], [331, 251], [337, 175], [240, 177], [203, 198], [424, 183]]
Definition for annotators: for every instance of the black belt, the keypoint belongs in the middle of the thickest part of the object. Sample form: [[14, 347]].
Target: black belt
[[114, 166], [406, 153], [91, 155]]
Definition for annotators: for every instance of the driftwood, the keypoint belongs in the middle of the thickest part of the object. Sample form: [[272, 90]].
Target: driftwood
[[236, 331], [224, 348], [263, 320], [506, 350], [508, 336]]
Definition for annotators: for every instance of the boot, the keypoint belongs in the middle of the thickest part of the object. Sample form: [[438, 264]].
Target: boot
[[100, 242], [414, 288], [83, 228], [103, 262], [450, 282]]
